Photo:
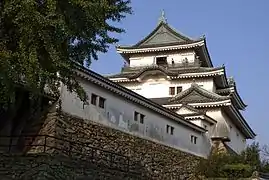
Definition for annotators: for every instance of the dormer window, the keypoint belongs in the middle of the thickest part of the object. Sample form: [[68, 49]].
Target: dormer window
[[161, 61]]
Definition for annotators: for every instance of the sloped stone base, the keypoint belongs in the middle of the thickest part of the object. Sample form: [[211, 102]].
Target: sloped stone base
[[152, 160]]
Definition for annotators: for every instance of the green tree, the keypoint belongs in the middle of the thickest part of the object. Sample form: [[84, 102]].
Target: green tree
[[226, 165], [41, 40]]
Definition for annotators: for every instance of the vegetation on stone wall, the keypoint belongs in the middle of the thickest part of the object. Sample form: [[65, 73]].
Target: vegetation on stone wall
[[233, 165]]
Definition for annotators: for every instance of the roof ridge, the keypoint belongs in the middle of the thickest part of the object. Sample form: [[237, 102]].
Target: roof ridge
[[172, 30]]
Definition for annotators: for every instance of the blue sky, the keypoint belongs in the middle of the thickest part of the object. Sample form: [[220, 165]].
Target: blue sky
[[237, 33]]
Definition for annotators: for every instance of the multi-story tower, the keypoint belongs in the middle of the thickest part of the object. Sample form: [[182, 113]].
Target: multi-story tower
[[176, 71]]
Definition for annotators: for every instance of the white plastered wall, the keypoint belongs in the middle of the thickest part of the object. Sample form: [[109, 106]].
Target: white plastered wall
[[145, 59], [237, 142], [158, 86], [118, 114]]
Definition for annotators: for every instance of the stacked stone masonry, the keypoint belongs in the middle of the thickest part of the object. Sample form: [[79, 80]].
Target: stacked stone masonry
[[150, 159]]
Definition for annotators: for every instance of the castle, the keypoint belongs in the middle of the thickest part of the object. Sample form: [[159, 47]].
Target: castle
[[168, 92]]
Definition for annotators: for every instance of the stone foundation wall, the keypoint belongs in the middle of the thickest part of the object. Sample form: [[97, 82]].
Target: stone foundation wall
[[156, 160], [56, 167], [151, 160]]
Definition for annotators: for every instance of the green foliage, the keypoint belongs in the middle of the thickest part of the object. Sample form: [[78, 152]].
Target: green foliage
[[41, 39], [224, 165]]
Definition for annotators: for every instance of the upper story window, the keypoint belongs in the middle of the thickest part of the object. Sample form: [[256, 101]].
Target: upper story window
[[161, 61], [94, 99], [193, 139], [172, 90], [170, 129]]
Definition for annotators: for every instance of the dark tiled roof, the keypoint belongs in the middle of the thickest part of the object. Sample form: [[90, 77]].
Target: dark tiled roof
[[236, 98], [162, 35], [196, 94], [161, 101], [136, 72]]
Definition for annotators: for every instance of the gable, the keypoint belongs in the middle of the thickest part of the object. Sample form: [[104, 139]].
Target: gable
[[196, 94], [162, 36], [184, 110]]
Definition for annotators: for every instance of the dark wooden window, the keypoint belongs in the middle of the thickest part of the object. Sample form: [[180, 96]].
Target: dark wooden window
[[179, 89], [161, 61], [102, 102], [94, 99], [193, 139], [142, 117], [171, 90], [136, 114]]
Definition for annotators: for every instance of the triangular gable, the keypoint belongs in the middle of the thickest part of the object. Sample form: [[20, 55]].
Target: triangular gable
[[185, 109], [196, 94], [163, 34]]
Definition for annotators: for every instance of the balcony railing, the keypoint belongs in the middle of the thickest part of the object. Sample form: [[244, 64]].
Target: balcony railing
[[195, 63], [84, 151]]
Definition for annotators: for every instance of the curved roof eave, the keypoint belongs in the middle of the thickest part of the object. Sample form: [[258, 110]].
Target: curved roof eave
[[206, 52], [251, 134], [170, 29]]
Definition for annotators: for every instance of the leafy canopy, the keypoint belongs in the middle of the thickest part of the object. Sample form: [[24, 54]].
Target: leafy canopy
[[224, 165], [41, 39]]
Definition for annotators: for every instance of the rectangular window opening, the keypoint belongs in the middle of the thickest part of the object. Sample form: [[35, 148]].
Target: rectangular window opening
[[167, 129], [94, 99], [170, 129], [193, 139], [161, 61], [179, 89], [102, 102], [142, 117], [171, 90], [136, 116]]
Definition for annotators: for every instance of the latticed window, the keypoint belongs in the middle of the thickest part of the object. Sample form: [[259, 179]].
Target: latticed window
[[172, 91]]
